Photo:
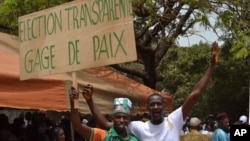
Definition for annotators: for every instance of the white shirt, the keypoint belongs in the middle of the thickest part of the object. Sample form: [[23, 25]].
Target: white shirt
[[168, 130]]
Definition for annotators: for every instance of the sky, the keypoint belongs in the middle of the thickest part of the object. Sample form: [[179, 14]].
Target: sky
[[207, 37]]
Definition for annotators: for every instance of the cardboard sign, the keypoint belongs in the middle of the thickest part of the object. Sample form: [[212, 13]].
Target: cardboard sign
[[76, 35]]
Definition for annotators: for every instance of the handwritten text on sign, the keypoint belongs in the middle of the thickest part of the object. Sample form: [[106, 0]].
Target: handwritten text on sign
[[76, 35]]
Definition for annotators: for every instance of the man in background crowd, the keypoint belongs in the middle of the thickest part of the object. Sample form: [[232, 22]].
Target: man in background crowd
[[195, 126], [222, 132]]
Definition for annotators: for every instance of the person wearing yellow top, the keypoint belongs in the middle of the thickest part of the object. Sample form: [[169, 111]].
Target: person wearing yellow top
[[194, 134]]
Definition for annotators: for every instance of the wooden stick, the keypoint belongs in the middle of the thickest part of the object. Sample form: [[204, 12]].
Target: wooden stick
[[76, 101]]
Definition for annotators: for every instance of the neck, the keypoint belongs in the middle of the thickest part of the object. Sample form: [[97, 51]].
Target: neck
[[122, 134], [224, 129], [156, 122]]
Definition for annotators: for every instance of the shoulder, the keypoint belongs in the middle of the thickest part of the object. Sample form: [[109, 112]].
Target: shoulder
[[205, 137], [98, 130], [137, 123], [176, 115], [137, 127], [219, 131], [98, 134], [133, 138]]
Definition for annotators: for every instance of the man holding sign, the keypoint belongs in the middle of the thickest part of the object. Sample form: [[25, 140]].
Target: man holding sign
[[121, 118]]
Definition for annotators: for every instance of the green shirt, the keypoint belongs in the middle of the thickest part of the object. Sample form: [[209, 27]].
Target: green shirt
[[111, 135]]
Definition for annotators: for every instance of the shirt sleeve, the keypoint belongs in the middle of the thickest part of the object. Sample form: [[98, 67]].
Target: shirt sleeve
[[176, 118], [134, 127], [97, 134]]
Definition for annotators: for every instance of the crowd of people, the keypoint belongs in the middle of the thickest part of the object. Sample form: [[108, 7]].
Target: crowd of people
[[213, 128], [35, 126]]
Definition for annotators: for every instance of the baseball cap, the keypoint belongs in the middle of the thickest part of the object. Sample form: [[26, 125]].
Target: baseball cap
[[243, 119]]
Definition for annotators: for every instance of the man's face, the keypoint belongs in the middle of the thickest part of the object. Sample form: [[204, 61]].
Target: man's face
[[224, 124], [120, 120], [156, 107]]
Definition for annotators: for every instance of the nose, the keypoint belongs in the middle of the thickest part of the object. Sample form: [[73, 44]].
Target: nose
[[121, 119], [155, 105]]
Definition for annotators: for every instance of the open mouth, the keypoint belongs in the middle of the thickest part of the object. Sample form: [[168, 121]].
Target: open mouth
[[156, 114], [121, 125]]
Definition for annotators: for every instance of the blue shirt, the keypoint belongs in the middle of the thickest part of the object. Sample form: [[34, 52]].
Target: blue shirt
[[220, 135]]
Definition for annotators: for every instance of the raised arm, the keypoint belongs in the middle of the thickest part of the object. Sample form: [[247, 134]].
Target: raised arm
[[202, 83], [100, 119], [83, 130]]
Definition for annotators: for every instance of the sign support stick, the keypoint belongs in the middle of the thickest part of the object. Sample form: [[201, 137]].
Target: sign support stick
[[76, 101]]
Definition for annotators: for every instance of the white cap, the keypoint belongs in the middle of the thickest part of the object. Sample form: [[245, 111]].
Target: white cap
[[243, 119], [194, 121], [84, 121]]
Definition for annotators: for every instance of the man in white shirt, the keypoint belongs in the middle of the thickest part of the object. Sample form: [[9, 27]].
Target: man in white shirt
[[159, 128]]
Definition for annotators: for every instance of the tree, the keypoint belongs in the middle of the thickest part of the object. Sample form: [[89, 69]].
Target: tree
[[10, 10], [182, 68], [158, 24], [230, 90], [227, 90]]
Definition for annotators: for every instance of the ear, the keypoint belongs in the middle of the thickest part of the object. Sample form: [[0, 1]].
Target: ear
[[164, 103]]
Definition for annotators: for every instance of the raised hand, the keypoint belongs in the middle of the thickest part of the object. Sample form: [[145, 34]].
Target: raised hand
[[87, 92], [215, 53], [73, 94]]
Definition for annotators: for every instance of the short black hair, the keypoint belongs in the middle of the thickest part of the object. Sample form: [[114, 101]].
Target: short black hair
[[155, 94]]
